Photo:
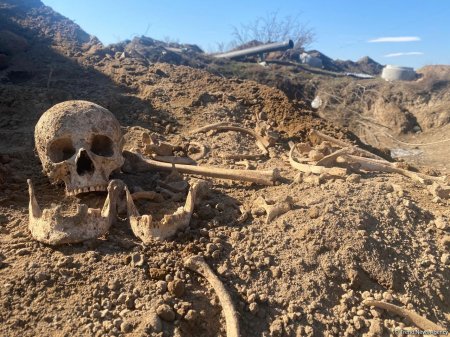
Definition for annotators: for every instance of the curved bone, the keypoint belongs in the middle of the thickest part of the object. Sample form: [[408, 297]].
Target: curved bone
[[52, 226], [198, 264], [261, 142], [137, 163], [421, 322], [332, 171], [175, 160], [148, 230]]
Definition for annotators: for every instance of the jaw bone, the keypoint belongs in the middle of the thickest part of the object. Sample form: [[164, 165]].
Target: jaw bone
[[54, 226], [148, 230]]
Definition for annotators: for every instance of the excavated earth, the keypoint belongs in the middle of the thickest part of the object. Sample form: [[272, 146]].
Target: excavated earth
[[306, 273]]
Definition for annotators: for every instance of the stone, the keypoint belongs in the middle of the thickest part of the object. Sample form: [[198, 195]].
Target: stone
[[445, 259], [154, 323], [126, 327], [137, 260], [166, 313], [176, 287]]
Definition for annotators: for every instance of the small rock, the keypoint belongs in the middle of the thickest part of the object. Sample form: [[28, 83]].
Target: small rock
[[191, 316], [157, 273], [445, 259], [387, 296], [276, 328], [137, 260], [166, 313], [114, 284], [314, 212], [154, 323], [126, 327], [275, 271], [353, 178], [161, 286], [315, 155], [253, 307], [176, 287], [210, 248], [441, 223]]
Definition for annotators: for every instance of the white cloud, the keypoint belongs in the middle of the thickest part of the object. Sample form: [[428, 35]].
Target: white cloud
[[395, 39], [404, 54]]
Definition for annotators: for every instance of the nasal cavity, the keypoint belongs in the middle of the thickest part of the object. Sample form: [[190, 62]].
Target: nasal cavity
[[84, 164]]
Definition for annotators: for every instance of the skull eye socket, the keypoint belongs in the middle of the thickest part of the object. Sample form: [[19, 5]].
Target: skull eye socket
[[61, 149], [102, 146]]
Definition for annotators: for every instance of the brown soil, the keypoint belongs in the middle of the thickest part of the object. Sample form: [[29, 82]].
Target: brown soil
[[304, 274]]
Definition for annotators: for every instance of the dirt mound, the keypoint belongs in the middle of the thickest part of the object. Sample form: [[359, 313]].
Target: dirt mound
[[305, 273]]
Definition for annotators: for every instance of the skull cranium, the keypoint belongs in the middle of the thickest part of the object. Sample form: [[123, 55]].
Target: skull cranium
[[80, 144]]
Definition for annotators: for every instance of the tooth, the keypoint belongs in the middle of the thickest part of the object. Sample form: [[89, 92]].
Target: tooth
[[86, 189], [92, 189], [35, 210], [78, 191]]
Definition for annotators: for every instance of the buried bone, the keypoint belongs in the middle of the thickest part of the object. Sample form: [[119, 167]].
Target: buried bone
[[146, 229], [199, 265], [57, 225]]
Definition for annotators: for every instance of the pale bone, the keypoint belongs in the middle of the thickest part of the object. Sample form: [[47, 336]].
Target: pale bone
[[369, 164], [421, 322], [175, 160], [274, 211], [261, 142], [137, 163], [199, 265], [148, 230], [201, 154], [340, 143], [80, 144], [53, 227], [331, 158], [149, 195], [307, 168]]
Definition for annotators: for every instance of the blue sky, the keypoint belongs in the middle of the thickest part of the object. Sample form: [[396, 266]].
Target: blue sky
[[343, 28]]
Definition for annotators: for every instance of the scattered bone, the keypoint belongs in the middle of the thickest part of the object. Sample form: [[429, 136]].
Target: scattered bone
[[369, 164], [199, 265], [56, 225], [148, 230], [275, 210], [155, 146], [244, 163], [340, 143], [242, 156], [440, 191], [137, 163], [307, 168], [148, 195], [261, 142], [202, 151], [329, 160], [421, 322], [175, 160], [174, 186]]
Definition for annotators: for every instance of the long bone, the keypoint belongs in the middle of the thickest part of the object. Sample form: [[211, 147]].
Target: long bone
[[137, 163], [199, 265], [421, 322]]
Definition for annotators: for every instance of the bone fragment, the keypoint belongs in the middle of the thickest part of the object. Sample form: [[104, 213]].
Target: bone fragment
[[149, 195], [137, 163], [261, 142], [199, 265], [307, 168], [54, 226], [175, 160], [201, 154], [421, 322], [329, 160], [369, 164], [274, 211], [148, 230], [340, 143]]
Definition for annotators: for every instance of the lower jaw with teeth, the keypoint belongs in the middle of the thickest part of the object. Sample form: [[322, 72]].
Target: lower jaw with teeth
[[56, 225]]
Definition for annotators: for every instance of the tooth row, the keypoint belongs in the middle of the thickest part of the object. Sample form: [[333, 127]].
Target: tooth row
[[85, 190]]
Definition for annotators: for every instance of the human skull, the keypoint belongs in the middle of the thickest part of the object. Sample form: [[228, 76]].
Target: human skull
[[80, 144]]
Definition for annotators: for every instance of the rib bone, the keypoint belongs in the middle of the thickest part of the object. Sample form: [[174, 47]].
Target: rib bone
[[137, 163], [199, 265], [421, 322]]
